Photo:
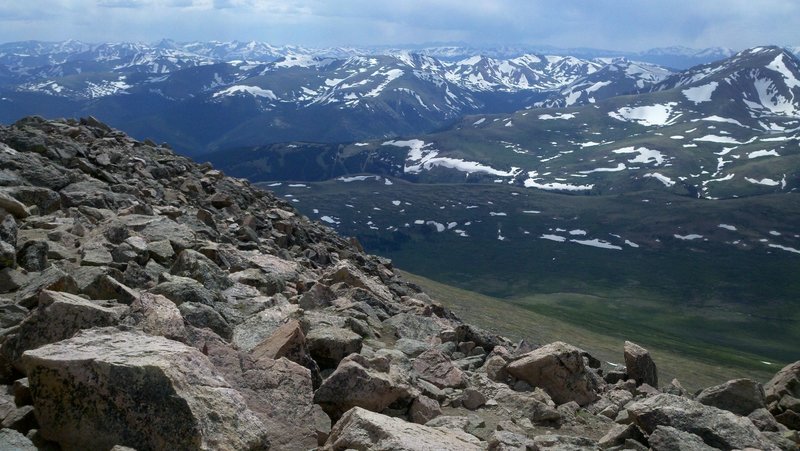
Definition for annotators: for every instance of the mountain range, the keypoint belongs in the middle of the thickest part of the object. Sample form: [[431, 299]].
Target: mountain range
[[620, 184], [206, 96]]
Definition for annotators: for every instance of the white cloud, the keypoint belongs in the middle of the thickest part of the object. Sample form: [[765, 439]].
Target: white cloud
[[614, 24]]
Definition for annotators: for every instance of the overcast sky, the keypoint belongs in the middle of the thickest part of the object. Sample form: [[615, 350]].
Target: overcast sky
[[608, 24]]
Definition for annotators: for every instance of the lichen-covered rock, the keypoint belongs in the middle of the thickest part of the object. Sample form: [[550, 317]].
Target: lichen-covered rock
[[106, 387], [436, 368], [156, 315], [11, 440], [558, 368], [358, 382], [329, 345], [58, 317], [716, 427], [361, 429], [666, 438], [639, 365], [740, 396], [197, 266]]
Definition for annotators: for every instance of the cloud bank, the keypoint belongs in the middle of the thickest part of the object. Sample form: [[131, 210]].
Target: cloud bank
[[611, 24]]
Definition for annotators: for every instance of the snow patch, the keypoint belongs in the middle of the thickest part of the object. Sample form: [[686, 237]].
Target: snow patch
[[651, 115], [700, 94]]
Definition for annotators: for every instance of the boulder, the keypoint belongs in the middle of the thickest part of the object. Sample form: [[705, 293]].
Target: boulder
[[58, 317], [318, 296], [509, 441], [716, 427], [197, 266], [740, 396], [785, 382], [409, 325], [558, 368], [424, 409], [13, 206], [8, 256], [639, 365], [564, 443], [11, 440], [106, 387], [357, 382], [666, 438], [51, 278], [33, 255], [183, 289], [290, 342], [472, 399], [329, 345], [361, 429], [156, 315], [436, 368], [201, 315]]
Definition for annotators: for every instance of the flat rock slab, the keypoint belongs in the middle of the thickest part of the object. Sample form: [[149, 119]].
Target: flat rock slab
[[106, 387]]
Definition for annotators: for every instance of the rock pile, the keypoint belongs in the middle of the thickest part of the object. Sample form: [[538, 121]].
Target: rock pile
[[153, 303]]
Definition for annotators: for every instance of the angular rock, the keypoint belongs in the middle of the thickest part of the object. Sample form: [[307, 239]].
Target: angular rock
[[621, 433], [13, 206], [509, 441], [362, 429], [785, 382], [558, 368], [197, 266], [8, 256], [201, 315], [11, 279], [51, 278], [495, 368], [33, 255], [740, 396], [358, 382], [666, 438], [472, 399], [58, 317], [329, 345], [95, 254], [156, 315], [424, 409], [11, 440], [563, 443], [21, 419], [436, 368], [416, 327], [319, 296], [639, 365], [105, 387], [717, 428], [183, 289]]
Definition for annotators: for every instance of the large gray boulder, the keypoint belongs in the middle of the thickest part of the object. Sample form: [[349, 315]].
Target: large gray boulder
[[558, 368], [329, 345], [59, 316], [716, 427], [197, 266], [640, 365], [358, 382], [360, 429], [666, 438], [106, 387], [740, 396]]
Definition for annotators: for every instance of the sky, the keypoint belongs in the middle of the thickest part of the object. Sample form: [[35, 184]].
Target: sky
[[625, 25]]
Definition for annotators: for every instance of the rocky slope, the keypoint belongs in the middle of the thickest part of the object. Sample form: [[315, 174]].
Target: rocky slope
[[153, 303]]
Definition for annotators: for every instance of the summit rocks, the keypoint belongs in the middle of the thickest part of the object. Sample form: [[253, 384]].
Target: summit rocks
[[150, 302]]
